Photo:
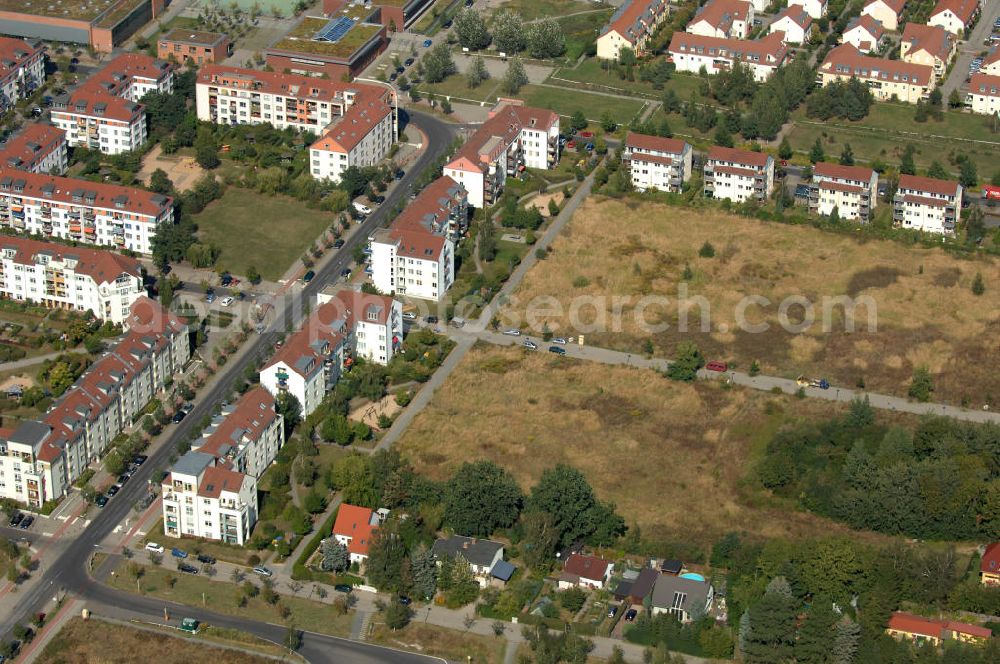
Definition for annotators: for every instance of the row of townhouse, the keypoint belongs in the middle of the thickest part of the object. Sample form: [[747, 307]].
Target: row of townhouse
[[73, 278], [104, 113], [39, 148], [955, 16], [211, 491], [357, 122], [348, 324], [89, 212], [984, 94], [724, 19], [664, 164], [692, 52], [887, 79], [631, 26], [514, 137], [415, 255], [22, 70], [39, 460]]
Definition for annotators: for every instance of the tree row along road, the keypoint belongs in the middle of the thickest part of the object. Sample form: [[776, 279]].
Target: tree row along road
[[67, 571]]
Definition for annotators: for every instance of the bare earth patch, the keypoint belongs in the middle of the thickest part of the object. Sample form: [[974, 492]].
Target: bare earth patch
[[672, 456], [541, 202], [182, 171], [921, 299], [370, 412]]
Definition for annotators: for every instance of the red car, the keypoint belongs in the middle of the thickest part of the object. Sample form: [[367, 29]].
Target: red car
[[586, 134], [716, 366], [571, 145]]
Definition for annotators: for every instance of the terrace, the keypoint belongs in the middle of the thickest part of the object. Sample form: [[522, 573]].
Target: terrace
[[112, 18], [342, 43], [83, 10]]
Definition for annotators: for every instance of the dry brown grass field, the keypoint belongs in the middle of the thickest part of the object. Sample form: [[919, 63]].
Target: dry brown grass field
[[437, 641], [926, 311], [672, 456], [87, 642]]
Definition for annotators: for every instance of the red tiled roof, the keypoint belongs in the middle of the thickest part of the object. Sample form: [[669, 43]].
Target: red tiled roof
[[746, 157], [768, 51], [911, 624], [131, 65], [359, 307], [654, 143], [984, 84], [720, 14], [992, 56], [840, 186], [104, 194], [894, 5], [148, 316], [217, 479], [845, 60], [93, 102], [963, 9], [501, 129], [869, 23], [356, 123], [933, 185], [826, 169], [253, 414], [931, 38], [103, 266], [632, 16], [14, 53], [990, 564], [289, 85], [355, 522], [586, 567], [795, 13], [31, 146], [966, 628]]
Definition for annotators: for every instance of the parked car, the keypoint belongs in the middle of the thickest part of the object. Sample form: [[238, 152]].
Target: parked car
[[124, 477], [362, 208], [409, 315], [512, 332], [15, 519], [427, 43], [26, 522], [557, 350], [113, 490], [226, 279], [802, 381], [630, 615], [559, 340], [260, 570], [178, 416], [407, 62], [343, 588], [821, 383], [404, 600], [589, 147], [187, 569], [154, 547], [338, 243], [432, 320], [613, 611], [206, 559], [101, 501], [346, 273], [715, 365], [530, 345], [226, 301], [392, 76], [586, 134], [139, 459], [178, 553], [308, 276]]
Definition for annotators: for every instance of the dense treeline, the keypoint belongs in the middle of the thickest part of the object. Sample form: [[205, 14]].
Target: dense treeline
[[939, 481]]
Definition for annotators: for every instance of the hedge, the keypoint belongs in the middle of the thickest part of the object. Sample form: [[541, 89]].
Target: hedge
[[299, 570]]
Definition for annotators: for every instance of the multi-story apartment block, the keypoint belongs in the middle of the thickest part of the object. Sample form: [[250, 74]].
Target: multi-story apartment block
[[104, 113], [631, 26], [312, 359], [22, 70], [39, 461], [40, 148], [886, 12], [203, 497], [725, 19], [61, 277], [887, 79], [850, 190], [927, 204], [955, 16], [691, 53], [864, 33], [415, 256], [194, 46], [984, 94], [211, 492], [362, 137], [513, 137], [929, 45], [815, 8], [738, 175], [90, 212], [663, 164], [795, 22]]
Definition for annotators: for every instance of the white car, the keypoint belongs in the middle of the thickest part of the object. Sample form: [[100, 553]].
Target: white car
[[409, 315], [530, 345], [226, 301], [512, 332], [559, 340], [362, 208], [154, 547]]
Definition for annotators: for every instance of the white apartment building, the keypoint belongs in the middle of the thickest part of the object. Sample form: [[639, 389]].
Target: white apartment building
[[815, 8], [725, 19], [246, 435], [927, 204], [864, 33], [955, 16], [631, 26], [362, 137], [415, 256], [39, 461], [89, 212], [886, 12], [661, 164], [312, 359], [794, 22], [691, 53], [984, 94], [22, 70], [738, 175], [887, 79], [204, 498], [104, 113], [512, 138], [851, 190], [77, 279], [40, 148]]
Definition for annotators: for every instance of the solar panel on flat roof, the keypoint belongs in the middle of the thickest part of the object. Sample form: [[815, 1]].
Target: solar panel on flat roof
[[335, 29]]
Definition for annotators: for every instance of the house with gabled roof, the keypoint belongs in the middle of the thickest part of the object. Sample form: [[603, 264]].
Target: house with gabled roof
[[583, 571], [955, 16], [886, 12], [483, 556], [929, 45], [794, 22], [631, 26], [724, 19], [355, 527], [864, 33]]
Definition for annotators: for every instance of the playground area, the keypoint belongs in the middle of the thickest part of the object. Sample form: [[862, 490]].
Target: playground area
[[182, 171]]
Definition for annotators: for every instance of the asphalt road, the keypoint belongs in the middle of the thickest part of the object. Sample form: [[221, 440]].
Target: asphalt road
[[67, 570]]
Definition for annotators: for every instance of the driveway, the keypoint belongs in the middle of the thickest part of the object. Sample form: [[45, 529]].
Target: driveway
[[971, 47]]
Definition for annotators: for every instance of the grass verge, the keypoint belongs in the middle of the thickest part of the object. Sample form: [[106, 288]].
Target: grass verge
[[435, 641]]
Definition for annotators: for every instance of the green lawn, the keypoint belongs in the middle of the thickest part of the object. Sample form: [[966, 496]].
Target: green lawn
[[566, 102], [590, 73], [532, 9], [454, 86], [266, 232]]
